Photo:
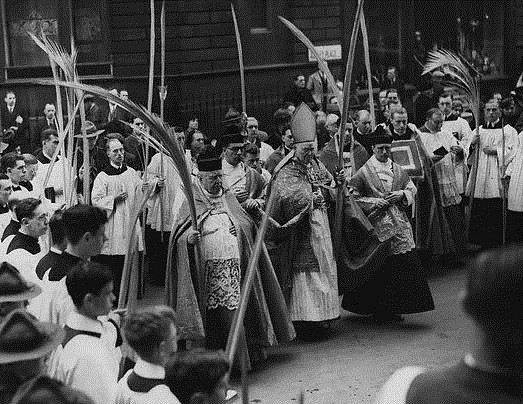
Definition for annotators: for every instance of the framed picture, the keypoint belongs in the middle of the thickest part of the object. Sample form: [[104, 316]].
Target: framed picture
[[407, 155]]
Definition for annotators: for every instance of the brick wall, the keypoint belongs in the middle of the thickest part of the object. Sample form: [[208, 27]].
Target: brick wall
[[320, 20], [199, 36]]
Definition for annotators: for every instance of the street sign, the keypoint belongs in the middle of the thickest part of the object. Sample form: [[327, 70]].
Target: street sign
[[327, 52]]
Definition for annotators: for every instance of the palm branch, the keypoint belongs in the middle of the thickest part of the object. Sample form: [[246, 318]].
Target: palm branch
[[240, 59], [58, 57], [157, 136], [458, 74], [462, 75], [322, 65]]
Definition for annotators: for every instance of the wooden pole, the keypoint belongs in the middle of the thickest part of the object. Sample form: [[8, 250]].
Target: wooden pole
[[237, 322], [344, 117], [163, 95], [244, 374], [366, 51], [151, 58], [475, 162], [503, 190], [240, 59]]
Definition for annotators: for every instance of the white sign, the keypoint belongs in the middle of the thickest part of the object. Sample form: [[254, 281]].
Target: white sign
[[327, 52]]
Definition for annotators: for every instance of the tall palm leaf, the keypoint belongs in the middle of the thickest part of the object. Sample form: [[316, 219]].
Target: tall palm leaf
[[462, 75], [158, 136], [59, 58], [322, 65]]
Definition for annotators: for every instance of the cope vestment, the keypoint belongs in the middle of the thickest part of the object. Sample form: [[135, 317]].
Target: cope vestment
[[302, 253], [431, 230], [244, 178], [223, 262], [399, 287]]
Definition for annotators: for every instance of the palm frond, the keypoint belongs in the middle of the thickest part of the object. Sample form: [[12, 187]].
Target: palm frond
[[158, 131], [322, 65], [240, 59], [457, 74]]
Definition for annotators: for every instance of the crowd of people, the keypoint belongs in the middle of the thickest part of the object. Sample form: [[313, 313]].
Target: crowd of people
[[366, 232]]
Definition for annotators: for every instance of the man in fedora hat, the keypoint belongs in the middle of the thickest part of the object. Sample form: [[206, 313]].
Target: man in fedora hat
[[24, 344], [93, 112], [15, 291]]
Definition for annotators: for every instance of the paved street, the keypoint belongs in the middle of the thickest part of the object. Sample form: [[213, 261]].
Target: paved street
[[351, 365]]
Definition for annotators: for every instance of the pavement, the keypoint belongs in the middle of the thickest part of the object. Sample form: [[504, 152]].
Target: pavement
[[352, 364]]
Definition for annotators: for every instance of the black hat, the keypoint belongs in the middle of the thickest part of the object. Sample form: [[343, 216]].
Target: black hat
[[209, 159], [23, 337], [13, 287], [43, 389], [381, 135], [234, 118]]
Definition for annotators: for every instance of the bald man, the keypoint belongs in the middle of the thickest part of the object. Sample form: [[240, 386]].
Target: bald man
[[363, 129]]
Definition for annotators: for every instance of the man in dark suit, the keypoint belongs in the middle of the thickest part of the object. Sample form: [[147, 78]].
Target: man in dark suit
[[391, 80], [116, 117], [48, 122], [299, 93], [14, 124], [93, 112]]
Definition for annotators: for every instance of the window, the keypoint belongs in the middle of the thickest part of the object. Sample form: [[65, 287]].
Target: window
[[80, 21]]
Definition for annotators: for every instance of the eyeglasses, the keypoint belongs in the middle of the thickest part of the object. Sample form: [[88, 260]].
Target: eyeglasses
[[235, 148], [43, 217], [21, 168]]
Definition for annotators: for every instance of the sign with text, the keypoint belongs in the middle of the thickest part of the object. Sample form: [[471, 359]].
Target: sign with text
[[327, 52]]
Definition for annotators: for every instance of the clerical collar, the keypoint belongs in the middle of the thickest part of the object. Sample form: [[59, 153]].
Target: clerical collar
[[406, 136], [24, 242], [112, 169], [497, 124], [43, 158]]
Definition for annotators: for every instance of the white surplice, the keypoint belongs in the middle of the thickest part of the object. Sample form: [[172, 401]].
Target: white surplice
[[490, 167], [105, 188]]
